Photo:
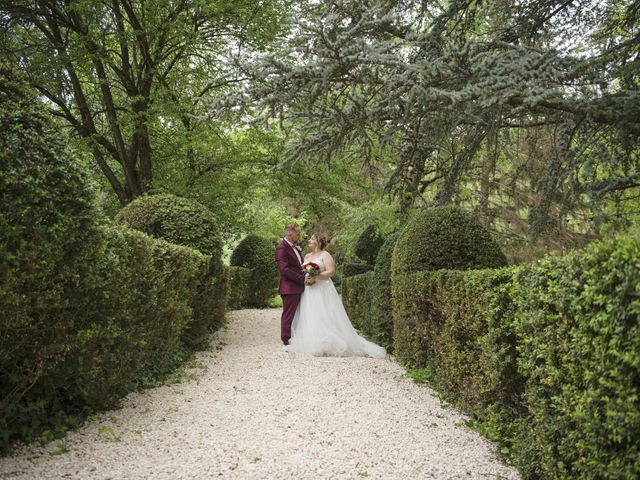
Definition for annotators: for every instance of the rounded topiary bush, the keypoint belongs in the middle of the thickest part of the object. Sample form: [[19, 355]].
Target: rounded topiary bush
[[257, 254], [445, 238], [367, 246], [174, 219], [183, 222]]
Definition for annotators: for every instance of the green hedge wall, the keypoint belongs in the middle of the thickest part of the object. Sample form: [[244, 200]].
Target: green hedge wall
[[152, 303], [357, 292], [350, 269], [239, 280], [146, 298], [87, 311], [546, 356]]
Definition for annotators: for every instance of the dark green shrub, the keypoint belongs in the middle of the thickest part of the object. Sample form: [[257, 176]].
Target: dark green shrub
[[49, 242], [356, 296], [174, 219], [579, 344], [367, 246], [257, 254], [183, 222], [457, 327], [445, 237], [239, 281], [380, 325], [351, 269], [545, 356], [150, 286]]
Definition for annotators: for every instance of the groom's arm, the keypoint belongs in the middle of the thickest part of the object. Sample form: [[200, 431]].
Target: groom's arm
[[286, 271]]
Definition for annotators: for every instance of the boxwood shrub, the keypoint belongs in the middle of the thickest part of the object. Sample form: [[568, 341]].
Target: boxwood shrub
[[545, 356], [445, 237], [183, 222], [257, 254], [239, 281], [368, 244]]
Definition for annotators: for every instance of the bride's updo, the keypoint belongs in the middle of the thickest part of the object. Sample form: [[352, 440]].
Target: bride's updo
[[322, 240]]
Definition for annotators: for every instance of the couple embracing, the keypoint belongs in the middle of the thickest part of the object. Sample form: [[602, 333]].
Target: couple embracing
[[314, 320]]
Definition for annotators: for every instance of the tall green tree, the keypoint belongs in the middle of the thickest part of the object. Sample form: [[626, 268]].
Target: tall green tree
[[468, 98], [129, 75]]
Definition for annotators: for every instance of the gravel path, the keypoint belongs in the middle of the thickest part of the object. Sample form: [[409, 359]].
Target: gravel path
[[257, 412]]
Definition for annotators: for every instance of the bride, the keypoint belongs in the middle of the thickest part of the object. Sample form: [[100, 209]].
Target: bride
[[321, 325]]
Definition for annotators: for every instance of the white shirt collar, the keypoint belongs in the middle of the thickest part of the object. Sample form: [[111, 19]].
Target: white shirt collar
[[294, 246]]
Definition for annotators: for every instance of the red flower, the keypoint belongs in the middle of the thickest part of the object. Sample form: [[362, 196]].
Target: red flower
[[310, 269]]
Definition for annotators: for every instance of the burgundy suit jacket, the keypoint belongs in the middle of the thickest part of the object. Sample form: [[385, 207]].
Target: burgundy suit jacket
[[291, 276]]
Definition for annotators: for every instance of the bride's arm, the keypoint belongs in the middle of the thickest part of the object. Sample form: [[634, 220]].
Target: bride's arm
[[330, 266]]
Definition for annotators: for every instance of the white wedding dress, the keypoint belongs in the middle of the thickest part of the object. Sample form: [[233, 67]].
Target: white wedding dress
[[321, 326]]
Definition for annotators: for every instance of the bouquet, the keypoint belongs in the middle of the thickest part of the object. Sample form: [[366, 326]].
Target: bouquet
[[310, 269]]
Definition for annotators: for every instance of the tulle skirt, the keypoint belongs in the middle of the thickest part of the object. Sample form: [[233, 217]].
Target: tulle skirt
[[321, 326]]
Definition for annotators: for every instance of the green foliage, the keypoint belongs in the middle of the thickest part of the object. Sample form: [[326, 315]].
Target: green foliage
[[183, 222], [368, 244], [545, 356], [350, 269], [239, 281], [355, 216], [445, 237], [380, 326], [49, 242], [579, 345], [357, 298], [367, 297], [257, 254], [151, 303], [88, 311], [174, 219]]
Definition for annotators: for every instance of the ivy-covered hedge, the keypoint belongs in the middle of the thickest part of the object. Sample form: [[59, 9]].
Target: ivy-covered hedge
[[546, 356], [257, 254]]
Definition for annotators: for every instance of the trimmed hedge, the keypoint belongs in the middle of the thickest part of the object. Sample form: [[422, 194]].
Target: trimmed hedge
[[256, 254], [357, 298], [381, 325], [87, 311], [175, 219], [546, 356], [49, 242], [445, 237], [145, 299], [183, 222], [368, 244], [156, 297], [239, 280], [351, 269]]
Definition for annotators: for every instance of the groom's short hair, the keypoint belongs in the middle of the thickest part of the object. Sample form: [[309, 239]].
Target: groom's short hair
[[290, 227]]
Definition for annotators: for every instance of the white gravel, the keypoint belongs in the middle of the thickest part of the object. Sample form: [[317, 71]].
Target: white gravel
[[258, 412]]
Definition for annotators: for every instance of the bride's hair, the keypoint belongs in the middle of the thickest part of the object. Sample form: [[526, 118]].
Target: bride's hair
[[322, 240]]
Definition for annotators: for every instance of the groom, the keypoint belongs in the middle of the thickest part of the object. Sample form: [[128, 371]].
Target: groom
[[292, 280]]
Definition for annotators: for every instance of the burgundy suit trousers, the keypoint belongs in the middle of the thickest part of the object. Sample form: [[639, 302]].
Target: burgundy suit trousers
[[289, 306]]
